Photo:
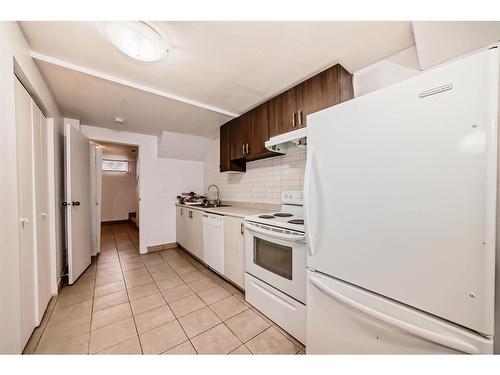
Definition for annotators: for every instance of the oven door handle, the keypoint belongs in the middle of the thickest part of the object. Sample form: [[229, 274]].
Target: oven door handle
[[279, 236]]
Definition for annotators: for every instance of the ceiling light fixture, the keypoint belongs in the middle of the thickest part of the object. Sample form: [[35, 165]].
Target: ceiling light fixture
[[139, 40], [119, 120]]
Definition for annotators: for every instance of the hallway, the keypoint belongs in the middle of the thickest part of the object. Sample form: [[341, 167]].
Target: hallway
[[162, 302]]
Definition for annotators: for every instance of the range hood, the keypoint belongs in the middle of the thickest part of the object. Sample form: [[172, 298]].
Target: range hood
[[283, 143]]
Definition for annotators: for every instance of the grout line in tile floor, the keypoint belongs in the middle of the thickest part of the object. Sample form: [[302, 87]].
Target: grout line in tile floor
[[126, 289], [92, 307], [42, 326]]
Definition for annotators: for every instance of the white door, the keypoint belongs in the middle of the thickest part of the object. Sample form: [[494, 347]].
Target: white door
[[78, 202], [43, 256], [98, 196], [343, 319], [28, 271], [401, 188], [96, 193]]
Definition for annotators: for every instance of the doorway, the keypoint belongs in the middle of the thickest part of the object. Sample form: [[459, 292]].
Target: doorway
[[118, 176]]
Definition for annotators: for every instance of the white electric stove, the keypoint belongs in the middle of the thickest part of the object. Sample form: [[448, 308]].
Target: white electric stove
[[275, 264]]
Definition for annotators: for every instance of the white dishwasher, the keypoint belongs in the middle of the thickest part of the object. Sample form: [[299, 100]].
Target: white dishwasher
[[213, 241]]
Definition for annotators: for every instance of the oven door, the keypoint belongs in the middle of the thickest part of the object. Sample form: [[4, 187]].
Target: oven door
[[277, 258]]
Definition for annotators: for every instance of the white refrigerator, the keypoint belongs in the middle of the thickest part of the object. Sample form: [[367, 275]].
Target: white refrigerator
[[400, 205]]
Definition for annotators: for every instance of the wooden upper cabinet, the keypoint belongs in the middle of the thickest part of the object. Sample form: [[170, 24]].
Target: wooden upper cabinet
[[226, 164], [283, 112], [224, 157], [326, 89], [259, 132], [289, 110], [238, 136]]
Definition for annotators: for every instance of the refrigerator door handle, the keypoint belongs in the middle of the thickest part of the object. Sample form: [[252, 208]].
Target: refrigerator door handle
[[307, 199], [446, 341]]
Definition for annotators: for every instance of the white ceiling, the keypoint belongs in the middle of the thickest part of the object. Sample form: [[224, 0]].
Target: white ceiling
[[227, 66], [96, 101], [118, 151]]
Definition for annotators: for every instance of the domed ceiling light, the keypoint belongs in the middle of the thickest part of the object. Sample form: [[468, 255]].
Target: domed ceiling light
[[139, 40]]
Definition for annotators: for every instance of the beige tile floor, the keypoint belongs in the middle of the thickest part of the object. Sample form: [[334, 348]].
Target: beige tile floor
[[159, 303]]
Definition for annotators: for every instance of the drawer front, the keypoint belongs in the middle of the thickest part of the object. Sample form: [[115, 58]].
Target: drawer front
[[288, 313]]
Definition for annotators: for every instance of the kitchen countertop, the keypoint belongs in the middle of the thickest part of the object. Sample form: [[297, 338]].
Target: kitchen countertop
[[236, 211]]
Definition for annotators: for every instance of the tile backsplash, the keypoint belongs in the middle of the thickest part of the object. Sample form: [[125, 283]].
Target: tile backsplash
[[263, 181]]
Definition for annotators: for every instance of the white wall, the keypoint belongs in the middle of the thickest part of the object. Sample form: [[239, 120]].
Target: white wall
[[263, 181], [395, 68], [14, 46], [161, 180], [438, 42], [183, 146], [118, 193]]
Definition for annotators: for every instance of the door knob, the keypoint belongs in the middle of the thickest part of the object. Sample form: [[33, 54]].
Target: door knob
[[24, 221], [75, 203]]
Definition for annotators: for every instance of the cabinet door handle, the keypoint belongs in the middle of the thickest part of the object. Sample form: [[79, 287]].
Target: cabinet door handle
[[248, 147], [300, 118], [293, 120], [181, 212], [242, 229], [243, 148]]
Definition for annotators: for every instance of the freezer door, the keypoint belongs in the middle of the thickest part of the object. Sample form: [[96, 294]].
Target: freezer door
[[342, 319], [400, 191]]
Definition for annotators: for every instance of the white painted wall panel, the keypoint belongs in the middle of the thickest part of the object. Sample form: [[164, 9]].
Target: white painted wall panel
[[438, 42], [183, 146], [393, 69], [118, 194]]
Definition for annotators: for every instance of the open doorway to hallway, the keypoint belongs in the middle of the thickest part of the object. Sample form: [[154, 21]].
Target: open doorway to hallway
[[119, 188]]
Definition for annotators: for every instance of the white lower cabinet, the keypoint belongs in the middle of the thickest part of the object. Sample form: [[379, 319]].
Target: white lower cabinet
[[234, 250], [189, 230], [195, 225], [189, 234], [180, 225]]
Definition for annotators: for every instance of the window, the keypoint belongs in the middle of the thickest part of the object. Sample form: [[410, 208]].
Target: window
[[115, 166]]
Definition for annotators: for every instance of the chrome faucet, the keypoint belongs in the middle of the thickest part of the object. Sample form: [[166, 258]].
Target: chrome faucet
[[217, 201]]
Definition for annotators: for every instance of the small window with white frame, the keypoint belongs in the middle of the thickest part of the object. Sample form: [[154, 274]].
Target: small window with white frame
[[120, 166]]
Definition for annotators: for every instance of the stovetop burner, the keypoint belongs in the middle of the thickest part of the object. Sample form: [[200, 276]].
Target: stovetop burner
[[266, 217], [282, 214], [296, 221]]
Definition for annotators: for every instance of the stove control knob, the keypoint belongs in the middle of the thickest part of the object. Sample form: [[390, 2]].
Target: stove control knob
[[286, 196], [291, 196]]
